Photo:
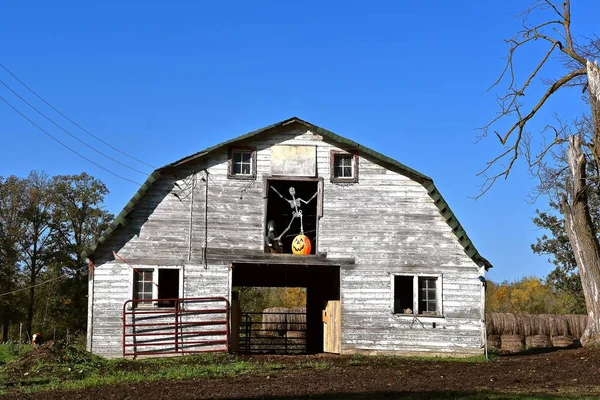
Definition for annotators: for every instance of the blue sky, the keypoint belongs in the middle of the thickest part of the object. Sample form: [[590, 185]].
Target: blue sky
[[162, 80]]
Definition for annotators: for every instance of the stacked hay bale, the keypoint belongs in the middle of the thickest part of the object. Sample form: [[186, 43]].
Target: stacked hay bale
[[281, 321], [511, 333]]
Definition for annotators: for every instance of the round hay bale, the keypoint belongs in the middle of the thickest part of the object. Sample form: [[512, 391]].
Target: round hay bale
[[538, 341], [577, 324], [493, 342], [561, 341], [274, 321], [296, 319], [512, 343]]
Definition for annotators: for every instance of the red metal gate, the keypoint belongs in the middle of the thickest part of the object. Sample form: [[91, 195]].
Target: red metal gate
[[175, 326]]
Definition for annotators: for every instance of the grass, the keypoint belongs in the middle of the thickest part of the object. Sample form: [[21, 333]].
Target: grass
[[73, 368], [69, 367], [10, 351]]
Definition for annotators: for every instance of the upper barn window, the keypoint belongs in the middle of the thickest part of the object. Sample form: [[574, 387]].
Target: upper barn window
[[344, 167], [242, 163]]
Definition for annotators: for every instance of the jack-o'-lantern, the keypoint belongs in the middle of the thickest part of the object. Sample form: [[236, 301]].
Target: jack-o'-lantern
[[301, 245]]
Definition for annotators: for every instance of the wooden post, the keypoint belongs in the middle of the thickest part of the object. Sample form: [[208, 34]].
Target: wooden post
[[236, 317]]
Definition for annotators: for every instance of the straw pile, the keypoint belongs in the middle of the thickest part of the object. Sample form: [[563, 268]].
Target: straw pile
[[511, 332]]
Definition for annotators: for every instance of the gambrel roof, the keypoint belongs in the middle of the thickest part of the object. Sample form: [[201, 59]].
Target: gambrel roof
[[381, 159]]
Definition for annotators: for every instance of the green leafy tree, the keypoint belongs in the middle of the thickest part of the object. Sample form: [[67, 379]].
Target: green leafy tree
[[555, 243], [12, 205], [530, 295], [79, 219], [36, 245]]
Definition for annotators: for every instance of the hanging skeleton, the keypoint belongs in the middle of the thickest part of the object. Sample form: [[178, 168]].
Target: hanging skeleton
[[295, 204]]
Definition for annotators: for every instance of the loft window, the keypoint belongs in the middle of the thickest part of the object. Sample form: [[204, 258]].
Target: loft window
[[293, 206], [344, 167], [242, 163], [427, 298], [162, 290]]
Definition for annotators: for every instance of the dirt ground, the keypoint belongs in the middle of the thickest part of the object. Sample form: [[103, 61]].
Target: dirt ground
[[573, 372]]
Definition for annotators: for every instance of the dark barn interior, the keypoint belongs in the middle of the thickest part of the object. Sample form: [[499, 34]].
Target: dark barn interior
[[322, 283], [280, 211]]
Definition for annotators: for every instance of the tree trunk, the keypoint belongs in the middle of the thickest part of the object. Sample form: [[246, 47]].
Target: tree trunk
[[32, 282], [5, 323], [583, 239]]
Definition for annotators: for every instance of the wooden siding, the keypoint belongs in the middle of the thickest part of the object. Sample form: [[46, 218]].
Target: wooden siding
[[386, 222]]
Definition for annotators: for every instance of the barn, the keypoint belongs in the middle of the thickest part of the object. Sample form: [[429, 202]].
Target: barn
[[386, 265]]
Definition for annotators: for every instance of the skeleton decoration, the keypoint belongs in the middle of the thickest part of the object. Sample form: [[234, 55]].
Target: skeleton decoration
[[295, 204]]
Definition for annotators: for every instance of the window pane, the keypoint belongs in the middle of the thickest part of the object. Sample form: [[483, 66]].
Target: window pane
[[342, 165], [427, 295], [236, 157], [246, 157], [246, 169]]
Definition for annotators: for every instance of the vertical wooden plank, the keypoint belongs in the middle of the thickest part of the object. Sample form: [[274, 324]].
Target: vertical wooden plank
[[236, 317], [333, 327]]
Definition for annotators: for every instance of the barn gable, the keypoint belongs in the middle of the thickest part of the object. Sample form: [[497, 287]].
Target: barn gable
[[376, 157]]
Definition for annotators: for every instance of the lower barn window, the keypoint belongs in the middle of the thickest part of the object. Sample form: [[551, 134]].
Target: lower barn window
[[163, 290], [417, 295]]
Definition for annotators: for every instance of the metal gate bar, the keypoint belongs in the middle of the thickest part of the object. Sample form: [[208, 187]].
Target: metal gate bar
[[167, 329], [273, 333]]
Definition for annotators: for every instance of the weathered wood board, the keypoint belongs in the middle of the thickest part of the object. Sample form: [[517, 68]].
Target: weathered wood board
[[387, 223]]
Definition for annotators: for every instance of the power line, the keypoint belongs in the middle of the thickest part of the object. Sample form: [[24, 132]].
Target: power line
[[69, 133], [64, 145], [40, 284], [73, 122]]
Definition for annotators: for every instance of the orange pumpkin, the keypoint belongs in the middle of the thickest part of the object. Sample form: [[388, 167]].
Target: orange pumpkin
[[301, 245]]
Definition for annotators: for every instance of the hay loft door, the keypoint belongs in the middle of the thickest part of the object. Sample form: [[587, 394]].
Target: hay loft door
[[332, 327]]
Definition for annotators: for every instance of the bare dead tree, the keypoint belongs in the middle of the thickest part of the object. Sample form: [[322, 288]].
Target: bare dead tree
[[573, 181]]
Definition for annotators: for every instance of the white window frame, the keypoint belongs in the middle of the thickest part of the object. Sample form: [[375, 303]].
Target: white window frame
[[241, 163], [415, 308], [155, 273]]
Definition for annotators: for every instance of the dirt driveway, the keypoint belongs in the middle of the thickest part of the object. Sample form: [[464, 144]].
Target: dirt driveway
[[574, 372]]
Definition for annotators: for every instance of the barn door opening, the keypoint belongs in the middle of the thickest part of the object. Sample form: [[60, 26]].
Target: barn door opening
[[272, 320], [301, 330]]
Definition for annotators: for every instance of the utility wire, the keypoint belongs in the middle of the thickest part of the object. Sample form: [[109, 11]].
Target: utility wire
[[73, 122], [69, 133], [64, 145], [40, 284]]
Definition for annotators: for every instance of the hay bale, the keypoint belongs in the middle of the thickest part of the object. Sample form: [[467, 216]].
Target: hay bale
[[559, 326], [296, 320], [561, 341], [493, 342], [512, 343], [538, 341], [577, 324], [276, 321]]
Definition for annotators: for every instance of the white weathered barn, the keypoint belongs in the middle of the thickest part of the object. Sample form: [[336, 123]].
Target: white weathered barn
[[391, 270]]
